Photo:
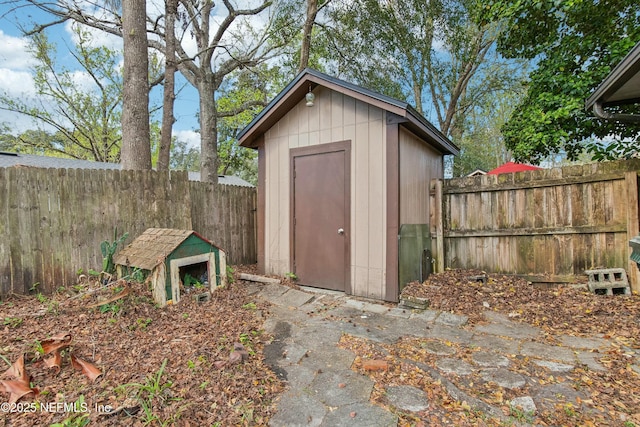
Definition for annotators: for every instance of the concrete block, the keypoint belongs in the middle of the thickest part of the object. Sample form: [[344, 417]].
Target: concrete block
[[608, 281]]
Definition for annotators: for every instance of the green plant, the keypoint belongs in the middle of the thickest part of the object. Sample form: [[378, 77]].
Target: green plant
[[185, 316], [291, 276], [114, 308], [250, 306], [203, 385], [230, 272], [520, 415], [152, 393], [37, 348], [79, 417], [108, 250], [13, 322]]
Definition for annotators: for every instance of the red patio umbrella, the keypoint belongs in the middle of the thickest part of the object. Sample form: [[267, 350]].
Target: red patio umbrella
[[511, 167]]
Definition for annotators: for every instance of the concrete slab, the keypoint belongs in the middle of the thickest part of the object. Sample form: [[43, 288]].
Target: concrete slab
[[451, 365], [360, 414], [399, 312], [426, 315], [510, 329], [590, 360], [336, 388], [525, 403], [554, 366], [293, 298], [592, 343], [449, 333], [504, 378], [450, 319], [495, 343], [298, 409], [437, 347], [546, 351], [407, 398], [489, 360], [272, 292]]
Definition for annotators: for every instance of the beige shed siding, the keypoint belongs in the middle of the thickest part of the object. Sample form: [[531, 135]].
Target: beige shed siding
[[419, 163], [335, 117]]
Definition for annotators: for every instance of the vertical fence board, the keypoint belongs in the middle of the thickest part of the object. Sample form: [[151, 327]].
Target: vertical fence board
[[555, 222], [52, 221]]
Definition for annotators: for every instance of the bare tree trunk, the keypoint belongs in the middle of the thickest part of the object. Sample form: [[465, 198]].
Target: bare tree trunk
[[136, 148], [307, 29], [164, 151], [208, 130]]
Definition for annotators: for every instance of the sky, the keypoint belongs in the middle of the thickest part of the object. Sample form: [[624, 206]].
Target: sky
[[17, 82]]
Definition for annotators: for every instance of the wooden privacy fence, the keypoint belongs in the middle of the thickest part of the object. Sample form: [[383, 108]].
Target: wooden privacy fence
[[52, 221], [549, 224]]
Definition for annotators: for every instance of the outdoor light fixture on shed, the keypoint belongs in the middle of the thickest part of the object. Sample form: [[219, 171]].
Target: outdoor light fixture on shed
[[310, 97]]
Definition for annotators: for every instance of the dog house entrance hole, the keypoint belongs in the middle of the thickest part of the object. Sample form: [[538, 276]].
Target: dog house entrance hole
[[194, 276]]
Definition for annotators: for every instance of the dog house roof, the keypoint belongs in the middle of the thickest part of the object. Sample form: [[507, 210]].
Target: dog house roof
[[152, 247]]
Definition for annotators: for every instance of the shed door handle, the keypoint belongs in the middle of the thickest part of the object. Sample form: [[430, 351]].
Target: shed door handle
[[341, 231]]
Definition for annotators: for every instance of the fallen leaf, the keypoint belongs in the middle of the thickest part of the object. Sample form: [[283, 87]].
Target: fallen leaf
[[17, 371], [353, 414], [88, 369], [56, 342], [54, 362], [17, 389]]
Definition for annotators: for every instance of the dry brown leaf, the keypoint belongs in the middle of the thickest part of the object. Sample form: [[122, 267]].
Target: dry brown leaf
[[17, 389], [219, 364], [90, 370], [56, 342], [121, 294], [17, 370], [54, 362]]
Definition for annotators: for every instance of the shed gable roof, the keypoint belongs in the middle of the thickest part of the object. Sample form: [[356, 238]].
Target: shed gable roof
[[152, 247], [622, 85], [298, 88]]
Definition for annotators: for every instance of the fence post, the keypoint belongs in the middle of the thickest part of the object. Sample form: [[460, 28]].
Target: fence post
[[633, 223], [435, 200]]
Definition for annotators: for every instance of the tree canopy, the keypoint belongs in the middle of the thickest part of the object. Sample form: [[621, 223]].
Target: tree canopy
[[574, 45]]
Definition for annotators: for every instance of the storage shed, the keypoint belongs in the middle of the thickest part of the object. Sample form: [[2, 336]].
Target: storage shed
[[173, 258], [340, 170]]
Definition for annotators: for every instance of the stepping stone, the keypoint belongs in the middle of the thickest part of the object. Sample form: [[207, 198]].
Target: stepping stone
[[426, 315], [495, 343], [399, 312], [583, 343], [298, 409], [450, 319], [438, 348], [359, 415], [407, 398], [343, 387], [554, 366], [454, 366], [504, 378], [525, 403], [490, 360], [589, 360], [546, 351]]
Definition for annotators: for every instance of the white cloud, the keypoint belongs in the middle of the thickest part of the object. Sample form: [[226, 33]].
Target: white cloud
[[192, 138], [13, 52]]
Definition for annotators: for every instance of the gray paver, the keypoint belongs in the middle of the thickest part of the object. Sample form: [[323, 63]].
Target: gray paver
[[495, 343], [511, 329], [360, 415], [504, 378], [399, 312], [293, 298], [272, 291], [298, 409], [546, 351], [438, 348], [525, 403], [590, 360], [426, 315], [450, 365], [450, 319], [407, 398], [489, 360], [341, 387], [449, 333], [554, 366], [592, 343]]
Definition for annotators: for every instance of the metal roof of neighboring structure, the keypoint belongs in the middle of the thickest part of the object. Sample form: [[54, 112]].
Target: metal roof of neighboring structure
[[152, 247], [8, 160], [298, 88], [511, 167], [622, 85]]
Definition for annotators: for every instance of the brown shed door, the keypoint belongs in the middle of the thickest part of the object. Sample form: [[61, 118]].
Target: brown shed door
[[321, 217]]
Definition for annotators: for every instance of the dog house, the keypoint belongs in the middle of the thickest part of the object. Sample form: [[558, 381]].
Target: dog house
[[341, 171], [176, 261]]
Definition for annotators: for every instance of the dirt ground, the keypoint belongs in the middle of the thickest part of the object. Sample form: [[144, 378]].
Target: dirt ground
[[196, 364], [165, 366]]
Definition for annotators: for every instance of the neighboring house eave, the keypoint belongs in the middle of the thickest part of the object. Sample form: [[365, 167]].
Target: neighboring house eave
[[620, 87]]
